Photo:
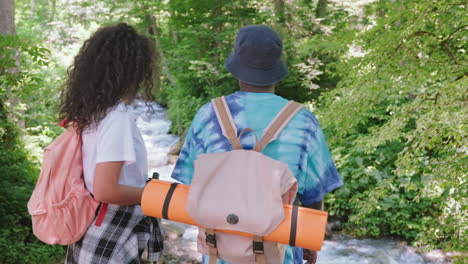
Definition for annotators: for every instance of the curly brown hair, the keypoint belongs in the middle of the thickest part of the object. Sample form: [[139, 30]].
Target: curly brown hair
[[114, 64]]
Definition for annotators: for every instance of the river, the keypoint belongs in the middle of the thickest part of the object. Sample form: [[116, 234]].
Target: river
[[180, 243]]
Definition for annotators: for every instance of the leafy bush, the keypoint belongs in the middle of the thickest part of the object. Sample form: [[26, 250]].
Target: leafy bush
[[397, 126], [17, 179], [18, 174]]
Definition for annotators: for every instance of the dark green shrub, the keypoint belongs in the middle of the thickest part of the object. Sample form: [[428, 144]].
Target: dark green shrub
[[17, 179], [397, 126]]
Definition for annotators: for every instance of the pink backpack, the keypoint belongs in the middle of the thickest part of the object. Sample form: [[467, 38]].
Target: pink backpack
[[61, 207], [241, 190]]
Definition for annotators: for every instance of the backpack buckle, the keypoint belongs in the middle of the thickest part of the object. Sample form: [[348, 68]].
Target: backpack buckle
[[210, 240], [258, 247]]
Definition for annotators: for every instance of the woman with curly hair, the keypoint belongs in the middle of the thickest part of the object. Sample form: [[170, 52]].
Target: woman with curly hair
[[109, 70]]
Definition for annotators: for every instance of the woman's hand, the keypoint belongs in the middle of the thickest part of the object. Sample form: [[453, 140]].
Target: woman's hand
[[310, 256]]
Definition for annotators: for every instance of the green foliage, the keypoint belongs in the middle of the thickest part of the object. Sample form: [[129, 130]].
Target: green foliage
[[313, 50], [20, 88], [29, 89], [196, 55], [397, 126], [394, 114], [197, 37], [17, 179]]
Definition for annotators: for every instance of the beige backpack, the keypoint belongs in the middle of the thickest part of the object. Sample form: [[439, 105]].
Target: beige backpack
[[241, 190]]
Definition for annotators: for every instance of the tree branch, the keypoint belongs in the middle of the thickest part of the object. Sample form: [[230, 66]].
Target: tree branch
[[461, 76], [446, 44], [443, 42], [454, 32], [447, 48], [422, 33]]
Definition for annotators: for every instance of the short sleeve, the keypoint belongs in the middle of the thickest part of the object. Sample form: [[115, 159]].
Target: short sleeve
[[319, 175], [115, 141]]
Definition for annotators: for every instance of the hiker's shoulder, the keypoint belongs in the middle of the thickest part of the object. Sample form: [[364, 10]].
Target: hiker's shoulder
[[117, 116], [208, 107], [306, 117], [207, 110], [204, 114], [306, 113]]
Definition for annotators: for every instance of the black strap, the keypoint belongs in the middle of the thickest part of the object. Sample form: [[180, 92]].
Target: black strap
[[292, 236], [167, 201]]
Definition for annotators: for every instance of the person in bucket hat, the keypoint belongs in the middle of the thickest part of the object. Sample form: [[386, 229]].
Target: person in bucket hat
[[257, 65], [256, 59]]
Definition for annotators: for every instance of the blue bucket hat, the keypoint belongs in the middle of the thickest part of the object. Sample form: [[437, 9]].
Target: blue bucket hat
[[256, 58]]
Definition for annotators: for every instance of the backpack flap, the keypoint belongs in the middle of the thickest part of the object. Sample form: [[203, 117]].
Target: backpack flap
[[238, 190]]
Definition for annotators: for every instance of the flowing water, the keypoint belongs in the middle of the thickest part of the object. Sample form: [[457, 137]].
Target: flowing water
[[181, 238]]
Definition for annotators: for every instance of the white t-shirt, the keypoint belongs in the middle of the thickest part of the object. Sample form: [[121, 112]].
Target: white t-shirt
[[116, 138]]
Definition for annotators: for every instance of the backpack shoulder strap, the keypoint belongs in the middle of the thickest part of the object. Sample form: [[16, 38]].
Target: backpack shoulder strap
[[225, 121], [272, 131]]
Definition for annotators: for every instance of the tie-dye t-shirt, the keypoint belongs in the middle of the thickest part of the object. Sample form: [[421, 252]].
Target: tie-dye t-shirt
[[301, 145]]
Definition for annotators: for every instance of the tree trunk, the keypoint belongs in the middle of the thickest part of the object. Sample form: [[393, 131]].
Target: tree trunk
[[161, 62], [321, 10], [280, 24], [218, 28], [7, 17], [52, 12], [279, 12], [7, 27], [153, 31], [33, 9]]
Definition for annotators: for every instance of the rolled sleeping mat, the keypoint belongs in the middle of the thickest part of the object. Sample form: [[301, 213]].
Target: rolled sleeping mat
[[301, 227]]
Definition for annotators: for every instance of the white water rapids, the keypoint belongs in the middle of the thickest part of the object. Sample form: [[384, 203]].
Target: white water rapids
[[339, 250]]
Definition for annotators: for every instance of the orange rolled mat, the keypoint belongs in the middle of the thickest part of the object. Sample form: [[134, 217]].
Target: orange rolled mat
[[166, 200]]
